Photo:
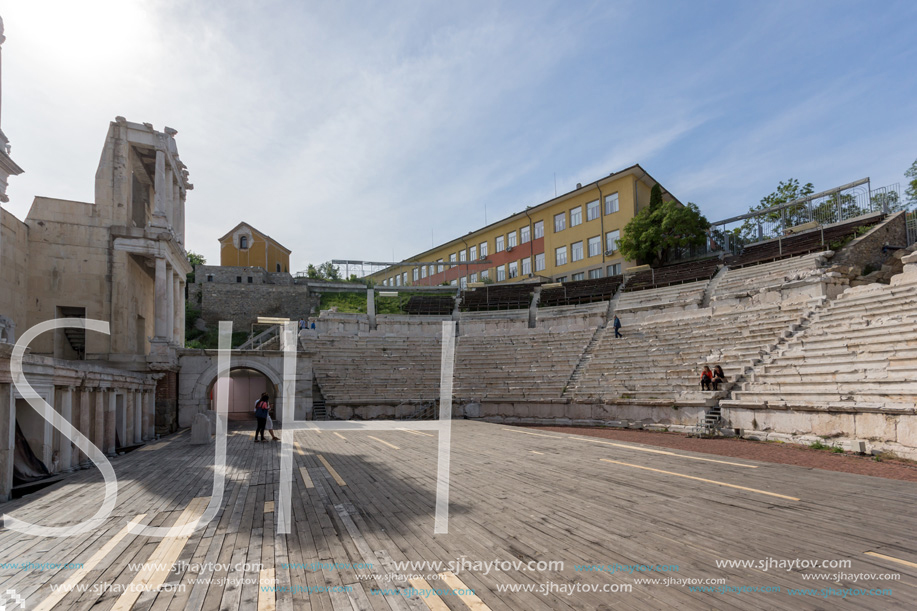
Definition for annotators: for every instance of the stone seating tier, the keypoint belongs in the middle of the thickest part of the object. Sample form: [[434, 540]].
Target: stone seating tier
[[680, 295], [515, 366], [860, 350], [766, 275], [664, 358]]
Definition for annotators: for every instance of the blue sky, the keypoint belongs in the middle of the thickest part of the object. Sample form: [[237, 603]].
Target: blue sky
[[364, 131]]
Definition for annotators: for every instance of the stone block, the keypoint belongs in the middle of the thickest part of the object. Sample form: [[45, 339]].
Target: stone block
[[876, 427], [200, 430]]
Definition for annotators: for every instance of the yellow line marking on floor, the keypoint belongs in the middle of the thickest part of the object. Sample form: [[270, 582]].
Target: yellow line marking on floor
[[155, 446], [306, 478], [701, 479], [639, 449], [534, 452], [651, 451], [157, 568], [473, 602], [433, 602], [417, 433], [269, 507], [331, 470], [78, 575], [385, 442], [266, 596], [339, 435], [534, 434], [892, 558]]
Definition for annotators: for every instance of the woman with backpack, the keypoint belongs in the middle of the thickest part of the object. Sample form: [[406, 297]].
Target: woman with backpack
[[262, 413]]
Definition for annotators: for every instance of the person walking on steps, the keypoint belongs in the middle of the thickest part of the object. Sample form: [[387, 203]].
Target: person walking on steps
[[617, 326], [262, 411]]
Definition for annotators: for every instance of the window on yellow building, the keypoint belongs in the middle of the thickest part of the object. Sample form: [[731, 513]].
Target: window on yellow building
[[525, 234], [611, 203], [611, 240], [514, 269], [576, 216], [511, 239], [595, 246], [576, 251], [499, 244], [560, 222], [592, 210], [527, 266], [560, 256], [539, 262], [483, 250], [501, 273], [472, 253], [539, 229]]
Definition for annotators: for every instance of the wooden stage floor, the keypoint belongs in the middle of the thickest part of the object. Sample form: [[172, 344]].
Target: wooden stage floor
[[537, 521]]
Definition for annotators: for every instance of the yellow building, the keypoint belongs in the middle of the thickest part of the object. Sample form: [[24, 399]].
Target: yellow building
[[571, 237], [245, 246]]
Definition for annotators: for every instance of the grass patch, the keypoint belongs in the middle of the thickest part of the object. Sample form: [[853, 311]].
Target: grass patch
[[351, 303], [818, 445]]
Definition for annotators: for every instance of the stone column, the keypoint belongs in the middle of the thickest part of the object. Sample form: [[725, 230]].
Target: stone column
[[161, 296], [180, 340], [137, 408], [7, 440], [160, 185], [169, 313], [85, 425], [149, 416], [98, 420], [65, 448], [127, 435], [110, 422], [168, 204], [180, 208], [178, 305]]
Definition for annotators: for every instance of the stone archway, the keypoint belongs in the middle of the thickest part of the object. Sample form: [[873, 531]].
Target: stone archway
[[198, 372]]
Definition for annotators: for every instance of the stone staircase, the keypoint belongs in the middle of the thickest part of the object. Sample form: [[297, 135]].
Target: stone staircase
[[588, 352]]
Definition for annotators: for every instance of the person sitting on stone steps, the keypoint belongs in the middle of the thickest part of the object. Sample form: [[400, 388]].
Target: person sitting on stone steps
[[718, 377], [706, 378]]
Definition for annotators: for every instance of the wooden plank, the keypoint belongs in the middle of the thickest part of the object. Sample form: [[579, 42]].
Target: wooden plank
[[49, 603], [160, 563], [266, 598]]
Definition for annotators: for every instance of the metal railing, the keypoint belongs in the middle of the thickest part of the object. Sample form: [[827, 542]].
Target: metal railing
[[254, 343], [814, 211]]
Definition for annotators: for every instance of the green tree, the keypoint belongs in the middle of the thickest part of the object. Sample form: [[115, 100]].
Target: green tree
[[194, 259], [911, 191], [661, 228], [325, 271], [781, 219]]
